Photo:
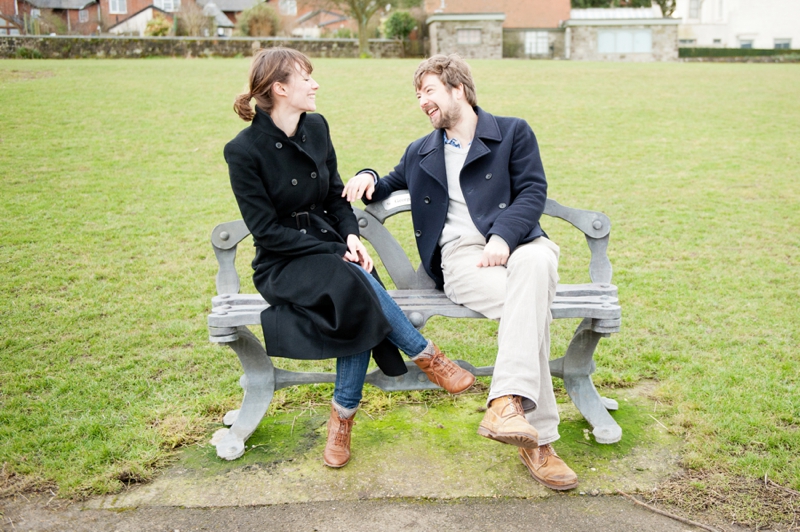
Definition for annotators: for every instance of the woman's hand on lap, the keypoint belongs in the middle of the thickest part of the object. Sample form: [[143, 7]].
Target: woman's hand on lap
[[356, 252]]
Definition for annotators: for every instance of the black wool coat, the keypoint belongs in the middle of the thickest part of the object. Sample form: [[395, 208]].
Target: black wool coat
[[289, 193], [502, 179]]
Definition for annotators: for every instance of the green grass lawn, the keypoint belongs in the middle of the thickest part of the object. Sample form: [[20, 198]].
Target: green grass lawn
[[112, 177]]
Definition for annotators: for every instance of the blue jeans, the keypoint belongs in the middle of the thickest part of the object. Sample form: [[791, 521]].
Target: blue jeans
[[351, 371]]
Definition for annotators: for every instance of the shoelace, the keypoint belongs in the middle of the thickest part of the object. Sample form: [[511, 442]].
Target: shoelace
[[545, 451], [516, 407], [343, 432], [442, 365]]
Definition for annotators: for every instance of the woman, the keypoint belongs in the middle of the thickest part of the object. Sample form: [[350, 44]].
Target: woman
[[310, 264]]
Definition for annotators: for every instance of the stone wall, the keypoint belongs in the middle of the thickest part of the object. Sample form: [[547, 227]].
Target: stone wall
[[514, 44], [583, 43], [444, 38], [72, 47]]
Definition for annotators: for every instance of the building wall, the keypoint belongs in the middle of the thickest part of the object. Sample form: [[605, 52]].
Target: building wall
[[519, 13], [84, 28], [444, 39], [514, 44], [727, 23], [584, 43], [131, 6]]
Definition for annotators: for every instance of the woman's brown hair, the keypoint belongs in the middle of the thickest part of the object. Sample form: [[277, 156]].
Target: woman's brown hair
[[270, 65]]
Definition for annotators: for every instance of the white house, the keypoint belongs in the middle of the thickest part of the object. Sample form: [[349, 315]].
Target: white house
[[739, 23]]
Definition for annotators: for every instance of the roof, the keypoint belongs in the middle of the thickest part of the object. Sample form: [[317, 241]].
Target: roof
[[211, 10], [442, 17], [61, 4], [333, 17], [148, 8], [230, 5], [615, 13]]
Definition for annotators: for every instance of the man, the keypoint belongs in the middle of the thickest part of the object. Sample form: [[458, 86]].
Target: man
[[478, 189]]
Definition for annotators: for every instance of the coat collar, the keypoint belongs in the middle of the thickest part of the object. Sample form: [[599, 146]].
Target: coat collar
[[263, 122], [486, 129], [432, 148]]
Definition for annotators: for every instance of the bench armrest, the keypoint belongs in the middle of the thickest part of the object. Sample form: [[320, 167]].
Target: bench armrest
[[224, 239]]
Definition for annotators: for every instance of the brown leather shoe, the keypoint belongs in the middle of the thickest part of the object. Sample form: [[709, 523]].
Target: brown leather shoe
[[505, 422], [337, 449], [444, 372], [548, 469]]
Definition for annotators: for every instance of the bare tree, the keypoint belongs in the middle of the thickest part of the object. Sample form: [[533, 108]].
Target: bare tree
[[362, 12], [192, 20], [667, 7]]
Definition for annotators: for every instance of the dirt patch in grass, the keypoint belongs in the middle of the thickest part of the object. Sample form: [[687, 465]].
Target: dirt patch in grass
[[12, 483], [716, 497], [24, 75]]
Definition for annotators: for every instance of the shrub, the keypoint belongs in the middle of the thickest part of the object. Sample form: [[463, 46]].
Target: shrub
[[261, 20], [732, 52], [400, 24], [27, 53], [158, 26]]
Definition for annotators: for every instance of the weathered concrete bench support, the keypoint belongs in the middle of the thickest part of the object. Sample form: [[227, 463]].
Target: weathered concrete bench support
[[595, 303]]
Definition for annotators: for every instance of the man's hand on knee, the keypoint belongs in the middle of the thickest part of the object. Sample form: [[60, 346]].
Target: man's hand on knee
[[495, 253]]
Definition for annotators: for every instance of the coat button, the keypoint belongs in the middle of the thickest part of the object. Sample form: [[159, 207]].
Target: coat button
[[488, 176], [303, 138], [294, 182], [323, 230], [427, 199], [502, 205], [313, 206], [278, 145], [418, 233], [313, 175], [303, 231]]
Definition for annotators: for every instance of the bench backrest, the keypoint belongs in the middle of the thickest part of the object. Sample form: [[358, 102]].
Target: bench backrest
[[595, 226]]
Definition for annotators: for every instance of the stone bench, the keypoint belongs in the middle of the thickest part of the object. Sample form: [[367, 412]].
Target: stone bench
[[595, 304]]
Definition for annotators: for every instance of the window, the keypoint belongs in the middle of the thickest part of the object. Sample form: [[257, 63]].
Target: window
[[117, 7], [36, 13], [469, 35], [687, 42], [783, 44], [288, 7], [168, 5], [624, 41], [83, 15], [746, 43], [694, 9], [537, 43], [717, 42]]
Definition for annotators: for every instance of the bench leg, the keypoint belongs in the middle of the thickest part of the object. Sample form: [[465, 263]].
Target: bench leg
[[259, 386], [576, 368]]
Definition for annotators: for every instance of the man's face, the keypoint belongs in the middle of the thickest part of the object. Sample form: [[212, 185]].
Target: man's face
[[438, 102]]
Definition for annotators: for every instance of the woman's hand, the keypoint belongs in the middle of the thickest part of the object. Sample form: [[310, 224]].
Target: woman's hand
[[356, 252]]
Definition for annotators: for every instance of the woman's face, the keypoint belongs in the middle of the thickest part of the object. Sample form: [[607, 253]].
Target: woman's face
[[302, 90]]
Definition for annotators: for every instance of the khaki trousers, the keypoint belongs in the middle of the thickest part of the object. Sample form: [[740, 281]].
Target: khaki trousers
[[519, 296]]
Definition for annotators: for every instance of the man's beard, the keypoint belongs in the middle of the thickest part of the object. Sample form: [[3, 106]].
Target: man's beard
[[447, 119]]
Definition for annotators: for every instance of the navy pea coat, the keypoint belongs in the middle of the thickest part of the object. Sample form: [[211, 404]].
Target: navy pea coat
[[502, 179], [289, 193]]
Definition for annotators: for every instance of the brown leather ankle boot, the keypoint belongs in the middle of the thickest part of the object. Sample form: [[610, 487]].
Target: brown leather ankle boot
[[548, 468], [442, 371], [505, 422], [337, 449]]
